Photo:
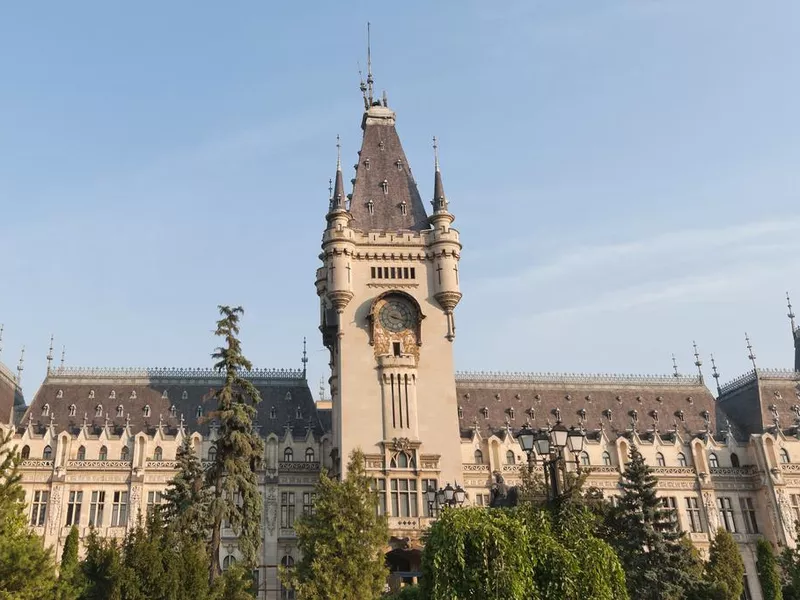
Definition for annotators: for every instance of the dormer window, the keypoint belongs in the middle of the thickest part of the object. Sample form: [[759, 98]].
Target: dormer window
[[72, 410], [371, 207], [91, 394], [164, 395], [60, 394], [185, 395], [98, 410], [112, 395], [133, 395], [120, 411], [173, 411], [403, 207], [511, 413], [485, 412], [199, 412], [298, 413], [146, 411], [366, 163], [46, 410], [385, 187], [399, 164], [273, 414], [288, 396], [460, 412], [681, 416]]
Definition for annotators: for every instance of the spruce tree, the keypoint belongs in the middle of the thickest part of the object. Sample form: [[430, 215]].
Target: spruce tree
[[342, 541], [725, 568], [767, 568], [239, 448], [646, 538], [69, 575], [27, 570], [101, 569], [186, 500]]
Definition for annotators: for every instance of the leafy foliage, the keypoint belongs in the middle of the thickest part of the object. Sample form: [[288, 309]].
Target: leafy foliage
[[767, 568], [239, 448], [27, 570], [186, 501], [342, 542]]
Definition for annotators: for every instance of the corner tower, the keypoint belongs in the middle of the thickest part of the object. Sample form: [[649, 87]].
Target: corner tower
[[388, 288]]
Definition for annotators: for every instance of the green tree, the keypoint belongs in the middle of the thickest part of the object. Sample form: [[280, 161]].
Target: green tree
[[342, 542], [101, 569], [27, 570], [69, 573], [239, 448], [646, 538], [187, 499], [767, 568], [235, 584], [725, 568]]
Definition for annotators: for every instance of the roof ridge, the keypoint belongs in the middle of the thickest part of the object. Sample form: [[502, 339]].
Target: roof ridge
[[168, 373], [595, 378], [8, 374]]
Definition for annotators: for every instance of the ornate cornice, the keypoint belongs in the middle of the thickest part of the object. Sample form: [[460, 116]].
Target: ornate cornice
[[464, 377], [149, 375]]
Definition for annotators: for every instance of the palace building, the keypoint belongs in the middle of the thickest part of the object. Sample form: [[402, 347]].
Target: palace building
[[99, 445]]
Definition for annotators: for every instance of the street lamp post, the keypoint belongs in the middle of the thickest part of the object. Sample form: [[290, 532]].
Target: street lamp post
[[447, 496], [553, 446]]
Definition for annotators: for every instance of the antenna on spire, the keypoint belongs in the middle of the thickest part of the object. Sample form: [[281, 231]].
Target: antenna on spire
[[50, 354], [338, 153], [20, 366], [436, 154], [715, 374], [751, 354], [63, 355], [321, 389], [675, 367], [697, 362], [370, 80], [791, 314], [304, 360]]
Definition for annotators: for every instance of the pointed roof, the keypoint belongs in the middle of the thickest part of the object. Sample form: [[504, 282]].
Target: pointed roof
[[338, 200], [438, 187], [385, 195]]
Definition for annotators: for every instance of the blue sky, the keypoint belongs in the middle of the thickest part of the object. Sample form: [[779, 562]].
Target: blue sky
[[624, 174]]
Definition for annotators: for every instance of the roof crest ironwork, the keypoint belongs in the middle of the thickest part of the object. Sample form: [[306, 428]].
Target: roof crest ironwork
[[169, 373], [574, 378]]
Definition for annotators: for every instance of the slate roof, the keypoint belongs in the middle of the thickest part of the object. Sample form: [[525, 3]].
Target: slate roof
[[615, 403], [763, 399], [10, 395], [286, 400], [382, 159]]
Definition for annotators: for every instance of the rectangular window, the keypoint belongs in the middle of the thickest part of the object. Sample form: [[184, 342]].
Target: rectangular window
[[119, 510], [372, 272], [404, 497], [405, 272], [74, 508], [308, 503], [726, 514], [693, 512], [671, 504], [379, 485], [154, 498], [746, 595], [749, 515], [39, 508], [413, 273], [386, 272], [287, 509], [96, 507], [392, 272], [795, 501], [426, 485]]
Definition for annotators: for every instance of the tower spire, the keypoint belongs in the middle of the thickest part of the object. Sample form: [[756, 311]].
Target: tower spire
[[791, 314], [675, 367], [304, 360], [20, 366], [439, 199], [337, 200], [715, 374], [50, 354], [63, 355], [370, 80], [751, 355], [697, 362]]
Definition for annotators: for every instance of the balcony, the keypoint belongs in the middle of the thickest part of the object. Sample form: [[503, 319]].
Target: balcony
[[110, 465], [298, 466], [409, 523]]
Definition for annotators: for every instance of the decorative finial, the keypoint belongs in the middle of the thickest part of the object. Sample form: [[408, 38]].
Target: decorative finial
[[435, 154], [675, 367], [20, 366], [338, 153], [63, 355], [304, 360], [751, 354], [697, 362], [363, 87], [50, 355], [715, 373], [791, 314], [370, 80], [182, 422], [330, 189]]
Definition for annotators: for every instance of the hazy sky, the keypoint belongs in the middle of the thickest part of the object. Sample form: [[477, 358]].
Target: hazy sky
[[624, 174]]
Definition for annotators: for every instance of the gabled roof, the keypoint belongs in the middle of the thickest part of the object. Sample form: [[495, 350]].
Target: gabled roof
[[385, 195], [10, 395], [762, 399]]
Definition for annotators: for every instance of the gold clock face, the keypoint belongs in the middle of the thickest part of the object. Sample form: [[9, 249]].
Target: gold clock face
[[396, 315]]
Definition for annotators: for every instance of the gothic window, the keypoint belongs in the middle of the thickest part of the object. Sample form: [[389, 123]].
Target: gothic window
[[91, 394], [273, 414], [309, 455], [485, 412], [478, 457], [47, 454], [158, 454], [682, 460], [112, 395], [713, 461], [212, 454], [460, 412], [288, 455], [185, 395], [98, 410], [82, 453], [72, 410], [120, 411], [228, 562], [103, 453], [385, 187], [660, 460], [403, 461], [60, 394], [511, 413], [784, 457], [606, 459], [371, 207], [146, 411], [585, 459], [26, 452], [133, 395], [46, 410], [510, 458], [298, 413], [403, 208], [734, 460], [124, 454], [172, 411], [199, 412]]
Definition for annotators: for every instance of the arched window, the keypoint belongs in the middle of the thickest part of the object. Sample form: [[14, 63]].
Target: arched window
[[485, 412], [287, 562], [212, 454], [713, 461], [158, 454], [91, 394], [165, 395], [585, 459], [460, 412], [59, 394], [72, 410], [125, 453], [184, 395], [734, 460], [46, 410], [402, 461], [113, 395], [103, 453], [133, 395], [510, 458], [48, 453], [26, 452], [309, 455], [98, 410], [146, 411], [298, 414], [228, 562], [478, 457], [199, 412], [606, 459], [173, 411], [82, 453], [784, 457], [288, 455], [660, 460], [120, 411], [273, 414], [682, 460]]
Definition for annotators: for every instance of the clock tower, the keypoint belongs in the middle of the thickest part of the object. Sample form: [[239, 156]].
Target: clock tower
[[388, 288]]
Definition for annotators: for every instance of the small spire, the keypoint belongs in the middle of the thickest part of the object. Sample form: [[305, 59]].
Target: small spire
[[321, 389], [20, 366], [63, 355], [791, 314], [715, 374], [751, 354], [697, 362], [439, 199], [675, 367], [337, 199], [50, 354], [330, 189], [435, 154], [370, 80], [304, 360], [338, 153]]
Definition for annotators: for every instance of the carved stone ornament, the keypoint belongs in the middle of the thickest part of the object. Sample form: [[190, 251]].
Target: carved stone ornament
[[136, 497], [711, 512], [786, 514], [55, 510], [401, 444], [271, 506]]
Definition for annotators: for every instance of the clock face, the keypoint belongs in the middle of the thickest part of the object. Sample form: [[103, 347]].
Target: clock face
[[396, 315]]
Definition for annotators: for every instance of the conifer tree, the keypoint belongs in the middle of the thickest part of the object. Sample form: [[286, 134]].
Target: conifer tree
[[239, 448], [69, 574], [767, 568], [101, 569], [27, 570], [342, 541], [725, 568], [186, 500], [646, 538]]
